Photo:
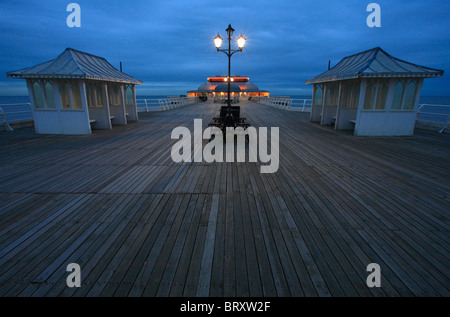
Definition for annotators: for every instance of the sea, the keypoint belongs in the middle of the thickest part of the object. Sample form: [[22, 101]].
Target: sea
[[435, 114]]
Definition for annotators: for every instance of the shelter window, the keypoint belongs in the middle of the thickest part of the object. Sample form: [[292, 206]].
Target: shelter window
[[129, 95], [331, 95], [410, 95], [398, 95], [350, 95], [318, 95], [70, 96], [49, 96], [38, 95], [64, 94], [404, 94], [76, 96], [346, 94], [382, 91], [98, 96], [376, 95], [90, 91], [369, 98], [355, 96], [114, 96]]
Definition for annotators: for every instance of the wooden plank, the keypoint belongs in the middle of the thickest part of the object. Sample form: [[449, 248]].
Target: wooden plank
[[192, 276], [171, 266], [179, 279], [204, 281]]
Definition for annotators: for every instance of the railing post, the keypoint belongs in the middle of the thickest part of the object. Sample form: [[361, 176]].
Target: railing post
[[5, 122]]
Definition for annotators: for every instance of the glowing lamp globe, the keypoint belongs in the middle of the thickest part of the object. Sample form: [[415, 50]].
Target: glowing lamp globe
[[218, 41], [241, 42]]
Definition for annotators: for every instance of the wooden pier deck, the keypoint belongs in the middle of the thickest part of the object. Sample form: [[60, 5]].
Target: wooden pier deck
[[139, 224]]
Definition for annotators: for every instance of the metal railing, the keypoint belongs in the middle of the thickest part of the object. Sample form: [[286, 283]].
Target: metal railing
[[15, 113], [147, 105], [277, 102], [286, 103], [303, 105], [434, 114]]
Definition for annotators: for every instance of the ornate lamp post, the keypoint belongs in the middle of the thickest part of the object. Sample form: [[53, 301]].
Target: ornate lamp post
[[229, 52]]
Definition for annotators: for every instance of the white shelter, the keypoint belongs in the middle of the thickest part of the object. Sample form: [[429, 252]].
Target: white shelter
[[77, 91], [372, 93]]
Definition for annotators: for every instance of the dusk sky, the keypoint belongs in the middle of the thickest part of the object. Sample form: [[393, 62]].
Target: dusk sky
[[168, 44]]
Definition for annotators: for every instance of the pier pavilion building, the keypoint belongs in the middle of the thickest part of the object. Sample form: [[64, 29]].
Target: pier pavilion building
[[217, 88]]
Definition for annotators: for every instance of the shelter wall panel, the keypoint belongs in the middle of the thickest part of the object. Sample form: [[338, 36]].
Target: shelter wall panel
[[316, 112], [400, 123], [75, 122], [371, 123], [131, 112], [118, 112], [383, 123], [101, 117], [47, 122], [345, 116]]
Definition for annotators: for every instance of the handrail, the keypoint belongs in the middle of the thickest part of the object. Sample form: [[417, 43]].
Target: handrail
[[6, 113], [163, 104], [286, 103], [147, 105], [302, 105], [445, 115]]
